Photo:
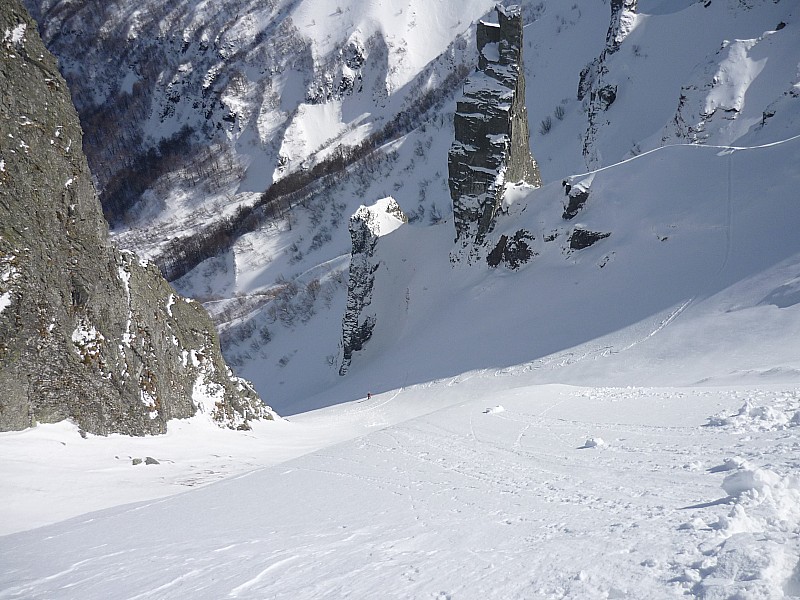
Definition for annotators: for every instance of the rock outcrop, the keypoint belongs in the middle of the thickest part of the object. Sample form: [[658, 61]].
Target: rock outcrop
[[717, 107], [513, 251], [87, 332], [581, 238], [623, 18], [577, 195], [594, 88], [367, 225], [491, 144]]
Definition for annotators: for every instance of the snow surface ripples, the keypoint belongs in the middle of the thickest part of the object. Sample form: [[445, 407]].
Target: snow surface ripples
[[468, 503]]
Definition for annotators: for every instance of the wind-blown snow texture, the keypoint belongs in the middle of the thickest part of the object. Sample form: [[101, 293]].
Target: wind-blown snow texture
[[619, 421]]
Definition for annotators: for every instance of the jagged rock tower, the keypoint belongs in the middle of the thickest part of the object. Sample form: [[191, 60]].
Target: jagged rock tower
[[87, 332], [367, 225], [491, 144]]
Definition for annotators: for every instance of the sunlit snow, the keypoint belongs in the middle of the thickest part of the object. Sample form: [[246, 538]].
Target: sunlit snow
[[616, 422]]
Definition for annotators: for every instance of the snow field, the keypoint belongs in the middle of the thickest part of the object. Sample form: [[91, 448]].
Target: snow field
[[461, 502]]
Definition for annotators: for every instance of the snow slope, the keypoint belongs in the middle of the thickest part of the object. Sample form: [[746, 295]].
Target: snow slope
[[504, 489], [678, 54], [249, 91], [667, 468], [619, 421]]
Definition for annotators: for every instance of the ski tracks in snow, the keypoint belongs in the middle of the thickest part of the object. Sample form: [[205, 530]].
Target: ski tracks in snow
[[674, 314], [471, 504], [539, 488]]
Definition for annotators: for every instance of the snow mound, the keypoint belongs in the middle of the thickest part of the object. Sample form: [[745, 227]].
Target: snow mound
[[757, 556], [750, 480], [763, 413], [753, 552], [594, 442], [729, 464]]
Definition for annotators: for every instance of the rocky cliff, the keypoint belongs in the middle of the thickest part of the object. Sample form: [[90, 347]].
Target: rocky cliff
[[491, 129], [367, 225], [86, 332], [595, 88]]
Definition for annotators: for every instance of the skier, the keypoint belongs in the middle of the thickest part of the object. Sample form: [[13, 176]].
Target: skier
[[369, 395]]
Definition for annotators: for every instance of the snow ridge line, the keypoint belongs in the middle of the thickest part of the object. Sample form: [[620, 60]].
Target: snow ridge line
[[725, 150]]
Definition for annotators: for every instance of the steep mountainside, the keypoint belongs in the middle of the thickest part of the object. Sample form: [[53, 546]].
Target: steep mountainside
[[204, 106], [277, 285], [86, 332], [609, 408]]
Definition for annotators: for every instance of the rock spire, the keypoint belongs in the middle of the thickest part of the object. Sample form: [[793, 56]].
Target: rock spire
[[367, 225], [491, 144]]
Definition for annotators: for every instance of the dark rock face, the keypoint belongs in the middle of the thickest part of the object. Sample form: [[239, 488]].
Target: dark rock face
[[491, 129], [606, 96], [367, 225], [513, 251], [127, 72], [576, 199], [583, 238], [86, 332], [348, 76]]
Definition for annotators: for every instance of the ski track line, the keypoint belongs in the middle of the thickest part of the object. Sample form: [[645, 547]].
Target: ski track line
[[518, 442], [459, 451], [728, 241], [385, 402], [724, 150], [413, 504], [632, 427], [729, 218], [22, 590], [566, 481], [465, 377], [552, 406], [541, 422], [458, 468], [355, 412], [570, 358], [670, 318]]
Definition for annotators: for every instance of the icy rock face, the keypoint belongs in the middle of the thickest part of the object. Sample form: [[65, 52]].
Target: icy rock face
[[343, 77], [594, 88], [367, 225], [491, 129], [712, 107], [86, 332], [623, 17], [577, 195]]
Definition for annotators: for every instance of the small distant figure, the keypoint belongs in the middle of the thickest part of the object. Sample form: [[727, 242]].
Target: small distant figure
[[369, 395]]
